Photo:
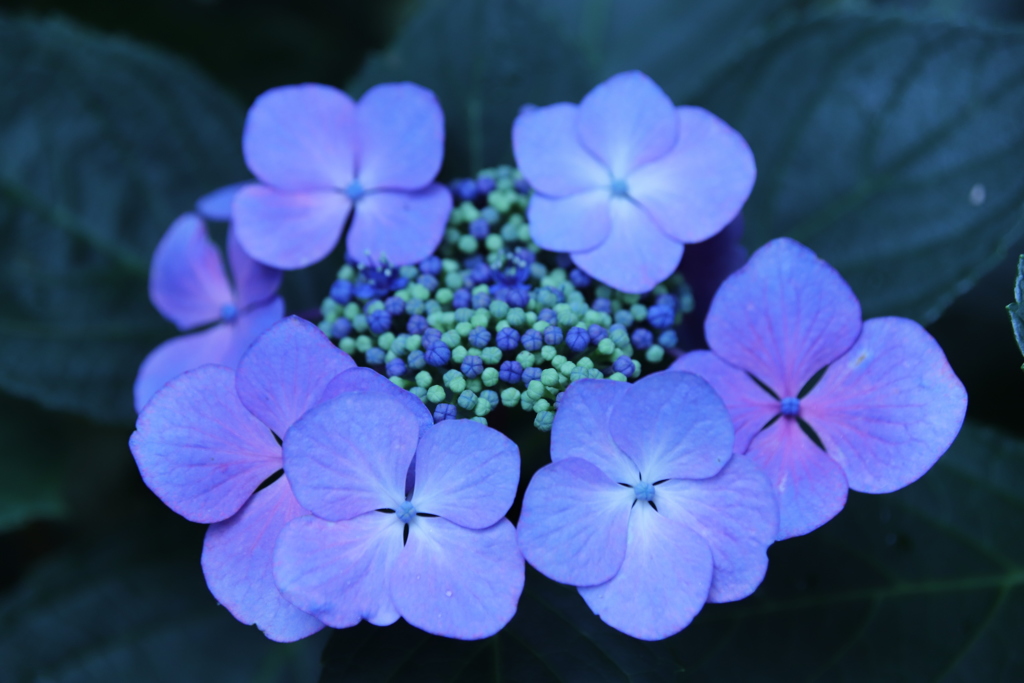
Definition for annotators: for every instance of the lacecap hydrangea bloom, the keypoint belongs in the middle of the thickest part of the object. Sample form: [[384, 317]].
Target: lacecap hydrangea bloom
[[408, 522], [207, 445], [644, 506], [886, 407], [624, 179], [320, 157], [189, 286]]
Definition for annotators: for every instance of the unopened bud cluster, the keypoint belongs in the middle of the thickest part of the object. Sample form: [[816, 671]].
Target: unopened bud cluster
[[492, 319]]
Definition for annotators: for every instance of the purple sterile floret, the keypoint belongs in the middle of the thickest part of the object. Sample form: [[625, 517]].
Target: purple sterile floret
[[188, 285], [644, 507], [624, 179], [319, 156], [507, 339], [886, 408], [458, 574], [206, 442]]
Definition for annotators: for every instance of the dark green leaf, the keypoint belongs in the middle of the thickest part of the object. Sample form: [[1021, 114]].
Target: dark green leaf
[[32, 484], [891, 147], [1016, 313], [117, 613], [926, 584], [104, 142], [487, 58], [553, 638]]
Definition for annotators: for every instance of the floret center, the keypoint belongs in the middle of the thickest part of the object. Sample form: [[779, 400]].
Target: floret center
[[405, 512], [644, 491], [790, 406], [228, 312], [355, 190], [620, 188]]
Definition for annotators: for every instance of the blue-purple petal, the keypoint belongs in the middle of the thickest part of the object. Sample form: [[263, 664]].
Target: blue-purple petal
[[550, 155], [402, 227]]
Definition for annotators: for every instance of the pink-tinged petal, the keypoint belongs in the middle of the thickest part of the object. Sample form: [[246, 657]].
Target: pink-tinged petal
[[696, 189], [178, 355], [254, 282], [187, 283], [351, 455], [581, 429], [750, 407], [889, 408], [636, 256], [783, 316], [736, 513], [401, 137], [199, 450], [466, 472], [403, 227], [578, 222], [340, 572], [365, 379], [573, 525], [627, 121], [301, 137], [289, 230], [286, 370], [456, 582], [550, 155], [249, 326], [663, 582], [673, 425], [810, 487], [216, 205], [238, 560]]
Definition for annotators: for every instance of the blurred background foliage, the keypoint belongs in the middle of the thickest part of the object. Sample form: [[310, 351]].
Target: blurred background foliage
[[866, 117]]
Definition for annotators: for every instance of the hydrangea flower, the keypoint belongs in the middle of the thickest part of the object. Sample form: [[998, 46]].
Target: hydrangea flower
[[886, 408], [623, 180], [189, 287], [205, 445], [319, 156], [423, 538], [644, 507]]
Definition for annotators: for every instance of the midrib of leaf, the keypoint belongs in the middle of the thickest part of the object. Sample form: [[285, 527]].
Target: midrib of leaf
[[63, 220]]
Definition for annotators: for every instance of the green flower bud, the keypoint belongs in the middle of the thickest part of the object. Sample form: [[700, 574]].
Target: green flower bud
[[436, 394], [510, 397], [489, 377]]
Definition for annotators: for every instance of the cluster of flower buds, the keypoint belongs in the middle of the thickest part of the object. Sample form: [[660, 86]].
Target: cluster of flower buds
[[493, 320]]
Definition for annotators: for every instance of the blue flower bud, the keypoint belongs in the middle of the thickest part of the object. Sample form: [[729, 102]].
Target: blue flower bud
[[467, 400], [508, 339], [548, 316], [602, 305], [375, 356], [429, 336], [394, 306], [341, 328], [445, 411], [668, 338], [531, 375], [485, 185], [481, 300], [641, 338], [660, 317], [510, 372], [532, 340], [437, 354], [552, 336], [461, 298], [479, 337], [395, 368], [341, 291], [623, 364], [544, 420], [624, 318], [379, 321], [577, 339], [479, 228], [472, 366], [490, 396], [417, 360], [451, 339], [597, 333], [579, 278], [666, 300], [431, 265], [428, 281], [415, 307]]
